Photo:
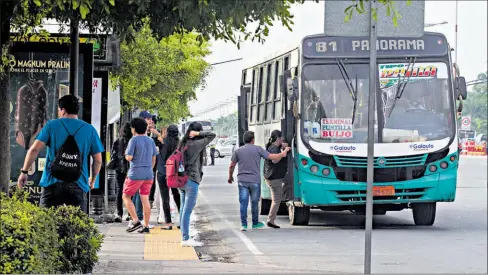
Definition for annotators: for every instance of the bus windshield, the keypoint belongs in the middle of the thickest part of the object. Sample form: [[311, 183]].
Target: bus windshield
[[419, 109]]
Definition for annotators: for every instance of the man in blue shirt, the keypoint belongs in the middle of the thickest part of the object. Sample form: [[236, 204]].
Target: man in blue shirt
[[53, 135], [141, 153]]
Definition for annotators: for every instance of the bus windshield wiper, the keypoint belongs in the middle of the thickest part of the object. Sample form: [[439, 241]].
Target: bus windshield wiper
[[349, 85], [402, 83]]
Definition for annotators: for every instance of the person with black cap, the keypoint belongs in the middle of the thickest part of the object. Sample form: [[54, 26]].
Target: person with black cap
[[168, 142], [274, 173], [154, 134]]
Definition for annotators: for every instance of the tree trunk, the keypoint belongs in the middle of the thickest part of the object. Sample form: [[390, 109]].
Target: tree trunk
[[6, 10]]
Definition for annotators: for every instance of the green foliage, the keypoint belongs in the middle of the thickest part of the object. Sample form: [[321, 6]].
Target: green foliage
[[391, 11], [226, 125], [476, 106], [37, 240], [28, 238], [162, 75], [79, 239]]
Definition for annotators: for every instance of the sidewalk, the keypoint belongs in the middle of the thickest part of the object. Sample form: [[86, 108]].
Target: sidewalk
[[161, 252]]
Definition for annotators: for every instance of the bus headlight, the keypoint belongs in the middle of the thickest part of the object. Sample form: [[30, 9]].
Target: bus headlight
[[432, 168], [444, 165], [326, 171], [314, 168]]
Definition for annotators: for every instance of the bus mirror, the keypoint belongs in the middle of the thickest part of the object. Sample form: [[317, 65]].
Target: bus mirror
[[461, 87]]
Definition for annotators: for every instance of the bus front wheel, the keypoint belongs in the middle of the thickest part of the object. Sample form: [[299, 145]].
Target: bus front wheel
[[265, 206], [424, 213], [298, 215]]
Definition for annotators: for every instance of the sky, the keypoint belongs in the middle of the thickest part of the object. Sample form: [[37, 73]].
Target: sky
[[224, 79]]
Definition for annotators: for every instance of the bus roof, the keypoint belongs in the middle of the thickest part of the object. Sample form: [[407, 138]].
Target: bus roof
[[287, 48]]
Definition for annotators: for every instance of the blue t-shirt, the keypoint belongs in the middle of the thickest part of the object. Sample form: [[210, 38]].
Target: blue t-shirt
[[54, 135], [142, 149]]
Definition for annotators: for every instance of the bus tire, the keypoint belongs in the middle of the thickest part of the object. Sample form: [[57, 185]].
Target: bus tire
[[265, 206], [283, 210], [424, 213], [298, 215]]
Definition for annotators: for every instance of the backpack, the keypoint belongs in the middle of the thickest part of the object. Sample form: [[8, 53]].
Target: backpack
[[67, 164], [175, 169]]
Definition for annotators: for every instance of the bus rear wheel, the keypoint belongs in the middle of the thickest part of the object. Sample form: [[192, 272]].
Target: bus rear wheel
[[265, 206], [424, 213], [298, 215]]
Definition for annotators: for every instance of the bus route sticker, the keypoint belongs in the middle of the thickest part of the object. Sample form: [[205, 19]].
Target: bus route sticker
[[337, 128]]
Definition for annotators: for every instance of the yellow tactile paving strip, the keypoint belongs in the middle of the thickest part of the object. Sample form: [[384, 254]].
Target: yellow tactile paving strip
[[165, 245]]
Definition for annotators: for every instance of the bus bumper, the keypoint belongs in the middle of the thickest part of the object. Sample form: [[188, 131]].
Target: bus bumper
[[321, 191]]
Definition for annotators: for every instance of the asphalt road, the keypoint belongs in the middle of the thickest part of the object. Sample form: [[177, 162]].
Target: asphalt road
[[334, 241]]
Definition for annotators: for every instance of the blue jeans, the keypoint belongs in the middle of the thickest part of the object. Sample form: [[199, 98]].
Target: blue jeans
[[246, 191], [188, 194], [136, 199]]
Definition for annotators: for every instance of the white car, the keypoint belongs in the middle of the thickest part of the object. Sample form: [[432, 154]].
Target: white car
[[225, 149]]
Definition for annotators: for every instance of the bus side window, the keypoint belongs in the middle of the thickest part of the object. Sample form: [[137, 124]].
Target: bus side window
[[269, 95], [260, 99], [277, 92], [252, 104]]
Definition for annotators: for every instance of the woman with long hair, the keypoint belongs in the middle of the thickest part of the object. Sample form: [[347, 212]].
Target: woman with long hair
[[168, 144], [274, 173], [121, 165], [193, 143]]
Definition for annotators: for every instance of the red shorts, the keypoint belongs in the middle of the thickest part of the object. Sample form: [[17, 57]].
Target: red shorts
[[132, 186]]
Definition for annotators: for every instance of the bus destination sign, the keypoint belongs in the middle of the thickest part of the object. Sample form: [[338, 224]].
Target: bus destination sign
[[358, 47]]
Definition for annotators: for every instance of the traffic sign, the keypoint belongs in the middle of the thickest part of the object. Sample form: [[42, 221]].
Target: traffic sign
[[466, 123]]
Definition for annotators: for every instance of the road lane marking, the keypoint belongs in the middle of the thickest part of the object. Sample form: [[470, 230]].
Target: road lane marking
[[247, 242]]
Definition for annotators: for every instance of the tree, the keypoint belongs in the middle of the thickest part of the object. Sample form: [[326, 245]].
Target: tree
[[220, 19], [162, 75], [226, 125], [476, 105]]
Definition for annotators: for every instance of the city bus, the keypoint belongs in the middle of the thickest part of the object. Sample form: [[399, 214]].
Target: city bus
[[316, 93]]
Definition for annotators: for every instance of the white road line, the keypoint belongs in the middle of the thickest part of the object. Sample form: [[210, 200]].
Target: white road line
[[247, 242]]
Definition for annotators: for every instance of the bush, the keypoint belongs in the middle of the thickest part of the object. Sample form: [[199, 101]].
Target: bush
[[28, 237], [79, 238], [36, 240]]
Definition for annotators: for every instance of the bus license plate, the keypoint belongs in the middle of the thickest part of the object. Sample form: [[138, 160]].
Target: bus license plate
[[381, 191]]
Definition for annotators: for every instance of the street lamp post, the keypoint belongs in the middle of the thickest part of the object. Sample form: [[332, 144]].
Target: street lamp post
[[456, 34]]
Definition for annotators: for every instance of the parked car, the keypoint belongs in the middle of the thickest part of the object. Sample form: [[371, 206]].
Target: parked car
[[225, 149]]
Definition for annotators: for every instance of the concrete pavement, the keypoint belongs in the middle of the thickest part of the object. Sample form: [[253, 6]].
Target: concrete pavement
[[334, 241]]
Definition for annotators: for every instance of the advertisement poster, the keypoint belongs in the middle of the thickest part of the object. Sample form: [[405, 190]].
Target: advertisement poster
[[37, 81], [97, 111], [336, 128]]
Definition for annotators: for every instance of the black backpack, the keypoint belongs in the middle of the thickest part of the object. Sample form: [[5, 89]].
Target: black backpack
[[67, 164]]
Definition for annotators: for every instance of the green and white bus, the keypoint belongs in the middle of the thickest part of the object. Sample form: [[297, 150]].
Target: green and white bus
[[316, 93]]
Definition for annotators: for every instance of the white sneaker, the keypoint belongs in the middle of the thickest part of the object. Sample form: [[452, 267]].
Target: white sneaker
[[150, 226], [191, 243]]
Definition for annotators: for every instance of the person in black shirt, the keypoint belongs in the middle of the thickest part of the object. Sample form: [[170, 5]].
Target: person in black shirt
[[168, 142], [274, 173], [121, 165]]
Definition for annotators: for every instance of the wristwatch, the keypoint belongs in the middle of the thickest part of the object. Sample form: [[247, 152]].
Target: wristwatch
[[24, 171]]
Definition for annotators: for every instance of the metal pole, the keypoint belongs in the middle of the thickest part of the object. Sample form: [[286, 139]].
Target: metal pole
[[370, 167], [74, 58], [456, 34]]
